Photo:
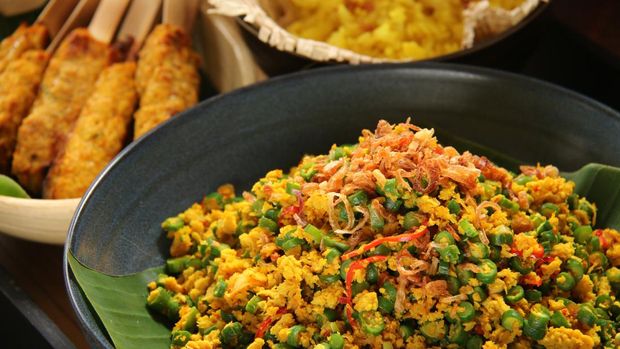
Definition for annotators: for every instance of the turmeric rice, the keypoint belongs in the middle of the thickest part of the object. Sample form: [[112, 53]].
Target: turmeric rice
[[394, 29], [394, 242]]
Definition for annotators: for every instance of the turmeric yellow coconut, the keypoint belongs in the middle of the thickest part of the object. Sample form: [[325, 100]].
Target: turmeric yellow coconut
[[394, 242], [395, 29]]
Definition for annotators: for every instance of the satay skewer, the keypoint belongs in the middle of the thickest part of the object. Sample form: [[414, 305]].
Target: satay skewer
[[67, 83], [102, 126]]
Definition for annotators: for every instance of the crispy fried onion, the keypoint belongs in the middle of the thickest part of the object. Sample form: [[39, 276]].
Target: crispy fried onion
[[481, 214], [334, 200]]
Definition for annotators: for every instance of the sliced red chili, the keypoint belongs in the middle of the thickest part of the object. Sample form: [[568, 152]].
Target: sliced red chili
[[264, 326]]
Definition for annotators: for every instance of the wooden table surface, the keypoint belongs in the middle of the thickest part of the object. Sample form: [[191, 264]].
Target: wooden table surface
[[37, 268]]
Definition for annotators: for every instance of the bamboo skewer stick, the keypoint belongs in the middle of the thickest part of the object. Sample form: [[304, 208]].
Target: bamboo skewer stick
[[80, 16], [139, 21], [55, 14], [106, 19]]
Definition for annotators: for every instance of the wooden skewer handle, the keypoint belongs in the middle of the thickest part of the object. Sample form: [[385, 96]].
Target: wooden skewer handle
[[80, 16], [106, 19], [138, 22], [180, 12], [55, 14]]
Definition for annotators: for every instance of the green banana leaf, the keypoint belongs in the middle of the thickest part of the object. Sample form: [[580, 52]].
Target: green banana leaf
[[8, 187], [120, 303]]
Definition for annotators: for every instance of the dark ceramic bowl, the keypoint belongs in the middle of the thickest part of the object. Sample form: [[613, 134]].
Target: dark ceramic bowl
[[507, 50], [236, 138]]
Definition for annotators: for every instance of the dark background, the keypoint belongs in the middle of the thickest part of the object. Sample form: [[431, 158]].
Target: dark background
[[575, 44]]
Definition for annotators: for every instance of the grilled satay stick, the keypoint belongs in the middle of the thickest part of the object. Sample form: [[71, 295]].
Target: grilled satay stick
[[102, 127], [18, 88], [25, 38], [67, 83], [167, 77], [98, 135]]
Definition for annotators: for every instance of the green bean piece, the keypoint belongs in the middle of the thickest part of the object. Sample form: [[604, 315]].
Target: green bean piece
[[291, 243], [444, 238], [547, 236], [539, 311], [231, 333], [173, 224], [477, 251], [376, 220], [206, 331], [406, 330], [474, 342], [390, 190], [293, 335], [558, 320], [533, 295], [583, 234], [465, 311], [359, 287], [332, 254], [336, 341], [515, 294], [381, 250], [479, 295], [519, 265], [613, 274], [523, 179], [411, 220], [512, 320], [449, 254], [330, 314], [176, 265], [386, 301], [594, 245], [464, 275], [572, 201], [468, 229], [488, 271], [315, 233], [272, 214], [292, 187], [337, 153], [268, 224], [544, 226], [508, 204], [162, 301], [331, 242], [454, 207], [535, 328], [329, 279], [502, 235], [599, 260], [307, 172], [220, 288], [443, 269], [393, 205], [575, 268], [548, 209], [344, 267], [358, 198], [322, 346], [453, 285], [372, 273], [372, 322], [252, 305], [180, 337], [189, 320], [586, 207], [432, 330], [565, 281], [457, 334], [586, 315]]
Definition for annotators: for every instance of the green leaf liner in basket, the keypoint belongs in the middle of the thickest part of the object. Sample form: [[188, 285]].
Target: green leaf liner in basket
[[120, 301]]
